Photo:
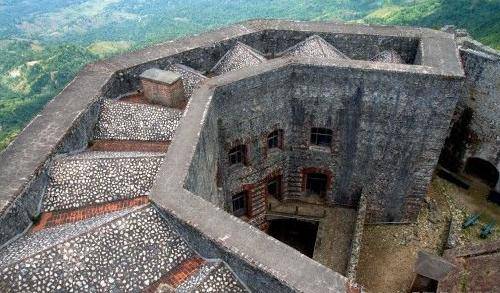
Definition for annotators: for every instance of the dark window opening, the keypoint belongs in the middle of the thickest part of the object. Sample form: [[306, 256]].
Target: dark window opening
[[321, 136], [316, 183], [275, 139], [298, 234], [274, 187], [238, 154], [483, 170], [240, 204]]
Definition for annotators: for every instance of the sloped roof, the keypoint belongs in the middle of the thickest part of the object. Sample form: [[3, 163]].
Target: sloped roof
[[191, 78], [314, 46], [238, 57], [388, 56]]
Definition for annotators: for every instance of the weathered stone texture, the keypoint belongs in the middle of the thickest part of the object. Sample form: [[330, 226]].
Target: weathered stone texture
[[388, 122], [167, 95], [388, 131], [127, 121], [98, 177]]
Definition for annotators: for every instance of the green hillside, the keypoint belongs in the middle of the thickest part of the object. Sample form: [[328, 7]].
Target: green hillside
[[44, 43], [480, 17]]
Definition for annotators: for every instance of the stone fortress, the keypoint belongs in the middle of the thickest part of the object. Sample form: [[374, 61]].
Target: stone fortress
[[178, 168]]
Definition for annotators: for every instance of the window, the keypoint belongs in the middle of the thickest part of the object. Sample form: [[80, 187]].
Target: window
[[238, 154], [240, 204], [274, 187], [316, 183], [275, 139], [321, 136]]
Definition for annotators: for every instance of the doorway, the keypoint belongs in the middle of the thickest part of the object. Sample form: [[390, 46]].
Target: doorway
[[273, 187], [483, 170], [299, 234]]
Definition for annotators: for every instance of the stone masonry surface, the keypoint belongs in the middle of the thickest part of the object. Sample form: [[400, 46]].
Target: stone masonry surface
[[202, 273], [125, 255], [240, 56], [220, 279], [96, 177], [33, 243], [388, 56], [375, 118], [372, 108], [127, 121], [191, 78], [315, 47]]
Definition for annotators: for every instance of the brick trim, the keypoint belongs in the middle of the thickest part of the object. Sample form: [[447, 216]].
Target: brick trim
[[305, 171], [178, 274], [129, 146], [51, 219]]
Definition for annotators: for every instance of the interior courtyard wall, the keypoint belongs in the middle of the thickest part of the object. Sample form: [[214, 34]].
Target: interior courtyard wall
[[387, 127]]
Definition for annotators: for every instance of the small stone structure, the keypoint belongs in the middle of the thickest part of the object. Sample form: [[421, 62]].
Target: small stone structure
[[163, 87], [429, 271]]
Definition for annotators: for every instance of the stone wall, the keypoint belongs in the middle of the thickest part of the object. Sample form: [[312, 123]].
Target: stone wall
[[357, 239], [482, 96], [477, 121], [204, 169], [388, 130]]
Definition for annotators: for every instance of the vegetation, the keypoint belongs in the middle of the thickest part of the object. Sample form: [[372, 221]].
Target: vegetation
[[480, 17], [44, 43]]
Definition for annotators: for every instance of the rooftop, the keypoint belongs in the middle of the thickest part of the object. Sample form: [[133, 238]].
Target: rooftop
[[161, 76], [142, 212]]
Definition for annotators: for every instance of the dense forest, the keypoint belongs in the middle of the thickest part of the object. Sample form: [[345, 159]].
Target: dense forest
[[44, 43]]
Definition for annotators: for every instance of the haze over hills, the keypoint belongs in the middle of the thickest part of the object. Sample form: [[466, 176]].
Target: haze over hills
[[44, 43]]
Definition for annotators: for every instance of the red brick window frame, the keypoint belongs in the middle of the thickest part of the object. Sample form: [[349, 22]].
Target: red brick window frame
[[240, 204], [315, 170], [275, 139], [238, 155]]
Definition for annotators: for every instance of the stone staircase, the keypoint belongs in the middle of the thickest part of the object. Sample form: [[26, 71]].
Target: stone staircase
[[97, 231]]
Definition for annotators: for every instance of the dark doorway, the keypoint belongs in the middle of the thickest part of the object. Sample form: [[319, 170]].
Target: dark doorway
[[274, 187], [298, 234], [483, 170], [494, 197], [316, 183], [424, 284]]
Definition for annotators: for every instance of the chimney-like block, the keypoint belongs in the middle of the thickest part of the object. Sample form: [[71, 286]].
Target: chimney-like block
[[163, 87]]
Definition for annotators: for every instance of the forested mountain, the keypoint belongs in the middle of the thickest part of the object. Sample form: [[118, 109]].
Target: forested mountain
[[44, 43]]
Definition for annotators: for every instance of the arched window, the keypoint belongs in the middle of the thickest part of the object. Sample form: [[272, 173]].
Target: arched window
[[275, 139], [238, 154], [321, 136]]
